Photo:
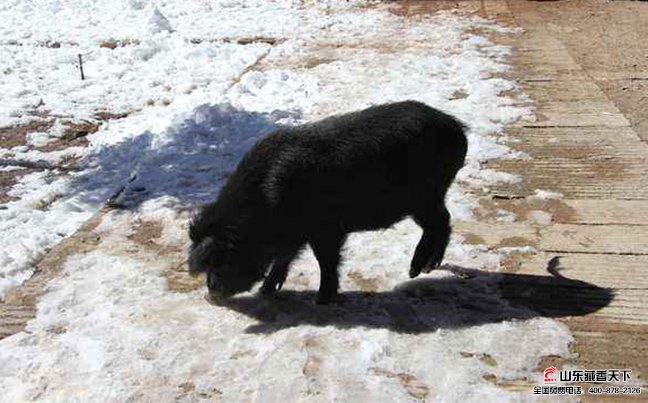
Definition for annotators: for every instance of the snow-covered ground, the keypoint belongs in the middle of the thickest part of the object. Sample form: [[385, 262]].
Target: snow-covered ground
[[198, 95]]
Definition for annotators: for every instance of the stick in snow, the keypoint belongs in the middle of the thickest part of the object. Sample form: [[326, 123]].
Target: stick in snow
[[81, 66]]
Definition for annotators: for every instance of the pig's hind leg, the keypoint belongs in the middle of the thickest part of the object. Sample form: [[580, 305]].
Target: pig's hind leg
[[435, 221], [279, 270]]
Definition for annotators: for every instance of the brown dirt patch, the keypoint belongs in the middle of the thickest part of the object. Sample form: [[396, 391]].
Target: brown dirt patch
[[473, 239], [513, 385], [313, 363], [179, 280], [55, 44], [13, 136], [485, 358], [365, 284], [515, 242], [7, 181], [459, 94], [147, 234], [245, 40], [74, 130], [512, 262], [104, 115], [550, 361], [240, 354], [412, 384], [414, 8], [258, 39], [315, 61], [74, 135], [118, 43], [522, 207]]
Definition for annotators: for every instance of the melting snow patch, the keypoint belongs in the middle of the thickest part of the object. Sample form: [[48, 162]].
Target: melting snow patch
[[540, 217], [505, 216], [547, 195]]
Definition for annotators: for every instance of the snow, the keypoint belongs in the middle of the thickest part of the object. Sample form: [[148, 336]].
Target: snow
[[196, 99], [119, 334], [505, 216], [39, 139], [547, 195], [158, 22], [32, 223], [540, 217]]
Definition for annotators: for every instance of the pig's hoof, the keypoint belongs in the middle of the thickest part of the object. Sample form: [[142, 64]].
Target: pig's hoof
[[430, 267], [414, 272], [269, 289], [435, 260]]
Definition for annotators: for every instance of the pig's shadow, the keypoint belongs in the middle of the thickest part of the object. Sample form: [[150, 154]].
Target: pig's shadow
[[189, 161], [467, 298]]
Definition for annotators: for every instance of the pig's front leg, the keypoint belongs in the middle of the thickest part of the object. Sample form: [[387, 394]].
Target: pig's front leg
[[327, 249]]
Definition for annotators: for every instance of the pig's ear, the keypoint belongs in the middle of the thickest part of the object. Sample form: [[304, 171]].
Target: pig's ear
[[193, 232]]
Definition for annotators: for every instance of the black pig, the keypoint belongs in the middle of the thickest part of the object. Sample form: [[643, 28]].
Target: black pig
[[318, 182]]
